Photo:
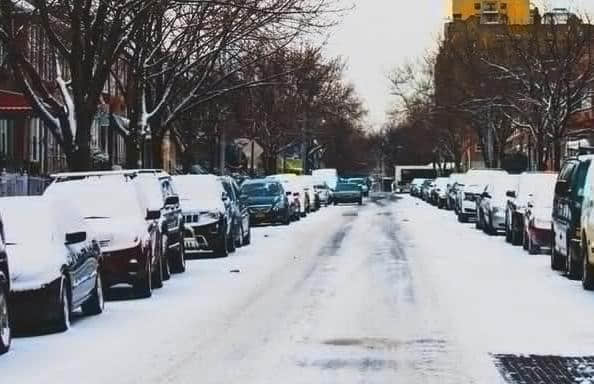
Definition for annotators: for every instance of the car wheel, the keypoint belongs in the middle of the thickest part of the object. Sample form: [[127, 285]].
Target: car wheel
[[508, 235], [5, 332], [166, 255], [247, 239], [532, 249], [525, 241], [63, 307], [96, 303], [462, 218], [479, 220], [287, 219], [556, 260], [231, 240], [572, 268], [221, 248], [158, 274], [144, 286], [361, 202], [239, 242], [178, 264], [588, 272]]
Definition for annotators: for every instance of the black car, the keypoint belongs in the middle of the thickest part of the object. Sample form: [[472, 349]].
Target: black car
[[347, 193], [56, 266], [240, 216], [5, 332], [567, 210], [267, 201]]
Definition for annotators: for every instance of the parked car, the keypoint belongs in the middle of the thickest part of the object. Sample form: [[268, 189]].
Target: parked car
[[323, 191], [415, 187], [439, 192], [240, 215], [5, 330], [297, 189], [171, 223], [267, 202], [467, 197], [207, 216], [360, 182], [309, 185], [128, 235], [492, 203], [566, 253], [55, 262], [453, 190], [348, 193], [426, 189], [539, 213], [586, 227], [528, 183]]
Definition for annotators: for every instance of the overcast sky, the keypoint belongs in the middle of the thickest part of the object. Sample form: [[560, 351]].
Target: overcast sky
[[381, 34]]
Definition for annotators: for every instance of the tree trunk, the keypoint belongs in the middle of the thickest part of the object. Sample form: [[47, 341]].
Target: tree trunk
[[79, 157], [157, 151], [557, 154]]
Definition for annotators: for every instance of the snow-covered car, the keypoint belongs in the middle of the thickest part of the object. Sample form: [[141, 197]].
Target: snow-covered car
[[126, 233], [309, 185], [439, 193], [467, 197], [323, 191], [347, 193], [55, 262], [240, 215], [207, 219], [5, 331], [266, 201], [517, 203], [492, 203], [171, 220], [290, 183], [539, 212]]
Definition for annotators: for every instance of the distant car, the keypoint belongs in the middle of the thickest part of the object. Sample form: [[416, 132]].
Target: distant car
[[323, 192], [492, 203], [55, 262], [5, 331], [266, 201], [454, 182], [538, 218], [426, 189], [126, 233], [467, 201], [439, 193], [240, 215], [298, 190], [360, 182], [415, 187], [348, 193], [207, 217], [309, 183]]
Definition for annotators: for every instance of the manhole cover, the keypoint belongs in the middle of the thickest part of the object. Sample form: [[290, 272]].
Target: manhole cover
[[535, 369]]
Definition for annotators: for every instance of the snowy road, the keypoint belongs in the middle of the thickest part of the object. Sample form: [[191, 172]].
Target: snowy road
[[391, 292]]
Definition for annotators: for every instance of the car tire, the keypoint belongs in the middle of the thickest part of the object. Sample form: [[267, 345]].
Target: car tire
[[157, 275], [556, 260], [63, 307], [178, 261], [532, 249], [478, 224], [572, 268], [5, 331], [462, 218], [144, 284], [96, 303], [221, 249], [231, 241], [287, 219], [588, 272], [516, 237], [361, 202], [165, 254], [247, 239]]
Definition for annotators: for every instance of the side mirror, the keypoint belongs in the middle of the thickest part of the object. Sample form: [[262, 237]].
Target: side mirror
[[530, 204], [562, 188], [75, 237], [153, 214], [511, 194], [224, 196], [485, 195], [172, 200]]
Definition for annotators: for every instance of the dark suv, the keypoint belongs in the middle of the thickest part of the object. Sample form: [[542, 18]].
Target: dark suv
[[567, 210], [5, 334]]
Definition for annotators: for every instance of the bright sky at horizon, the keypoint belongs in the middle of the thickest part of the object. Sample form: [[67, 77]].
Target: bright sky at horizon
[[379, 35]]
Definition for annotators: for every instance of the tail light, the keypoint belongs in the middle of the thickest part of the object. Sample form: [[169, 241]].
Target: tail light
[[296, 194]]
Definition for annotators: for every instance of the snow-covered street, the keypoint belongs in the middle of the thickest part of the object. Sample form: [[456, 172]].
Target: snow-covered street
[[394, 291]]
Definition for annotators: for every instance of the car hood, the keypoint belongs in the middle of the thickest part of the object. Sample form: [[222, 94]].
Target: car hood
[[35, 264], [196, 206], [267, 200], [116, 234]]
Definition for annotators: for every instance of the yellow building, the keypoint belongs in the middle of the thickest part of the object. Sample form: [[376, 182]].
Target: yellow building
[[492, 11]]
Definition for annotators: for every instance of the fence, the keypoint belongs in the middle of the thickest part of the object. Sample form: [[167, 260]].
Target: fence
[[22, 185]]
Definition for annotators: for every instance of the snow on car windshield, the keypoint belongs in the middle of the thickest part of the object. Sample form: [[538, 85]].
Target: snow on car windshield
[[149, 192], [260, 189]]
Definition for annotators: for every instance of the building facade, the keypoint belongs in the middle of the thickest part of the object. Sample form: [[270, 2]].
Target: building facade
[[492, 11]]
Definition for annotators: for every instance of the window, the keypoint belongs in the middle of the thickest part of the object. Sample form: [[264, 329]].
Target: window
[[503, 6], [35, 138], [6, 136], [477, 6]]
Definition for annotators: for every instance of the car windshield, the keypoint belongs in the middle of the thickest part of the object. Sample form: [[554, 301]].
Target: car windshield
[[347, 187], [260, 189]]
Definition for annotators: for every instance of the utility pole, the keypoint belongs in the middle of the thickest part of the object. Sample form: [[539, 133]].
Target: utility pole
[[223, 145], [304, 144]]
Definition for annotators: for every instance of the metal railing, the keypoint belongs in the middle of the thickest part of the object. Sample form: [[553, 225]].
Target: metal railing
[[22, 185]]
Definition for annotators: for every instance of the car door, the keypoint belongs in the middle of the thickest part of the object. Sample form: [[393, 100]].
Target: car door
[[244, 213], [561, 209], [171, 213]]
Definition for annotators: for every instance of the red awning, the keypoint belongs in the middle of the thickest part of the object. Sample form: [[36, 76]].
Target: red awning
[[13, 102]]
